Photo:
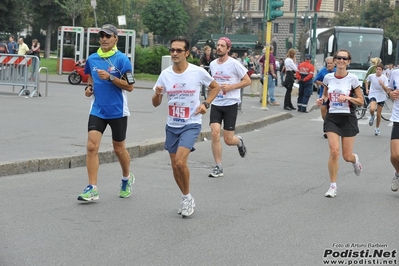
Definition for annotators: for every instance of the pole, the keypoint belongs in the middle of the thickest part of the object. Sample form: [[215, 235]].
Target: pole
[[314, 38], [264, 21], [266, 68], [222, 19], [295, 17]]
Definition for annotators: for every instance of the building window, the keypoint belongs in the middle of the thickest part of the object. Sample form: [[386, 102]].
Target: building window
[[291, 28], [339, 5], [291, 6], [311, 5], [275, 28]]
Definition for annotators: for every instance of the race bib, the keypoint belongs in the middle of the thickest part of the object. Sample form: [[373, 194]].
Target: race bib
[[178, 110]]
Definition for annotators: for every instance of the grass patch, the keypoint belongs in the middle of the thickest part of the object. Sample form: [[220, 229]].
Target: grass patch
[[51, 65]]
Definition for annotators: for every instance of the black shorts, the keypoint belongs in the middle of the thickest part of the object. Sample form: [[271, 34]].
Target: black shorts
[[375, 100], [226, 113], [344, 125], [118, 126], [395, 131]]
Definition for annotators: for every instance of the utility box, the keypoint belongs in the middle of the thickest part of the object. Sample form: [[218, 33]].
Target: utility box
[[166, 62]]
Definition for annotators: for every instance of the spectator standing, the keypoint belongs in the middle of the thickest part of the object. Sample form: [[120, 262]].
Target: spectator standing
[[3, 47], [23, 49], [182, 84], [12, 45], [207, 57], [291, 69], [35, 51], [304, 76], [232, 77], [271, 76], [340, 121], [110, 78]]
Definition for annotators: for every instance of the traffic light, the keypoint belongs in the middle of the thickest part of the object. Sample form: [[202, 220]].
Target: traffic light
[[273, 9]]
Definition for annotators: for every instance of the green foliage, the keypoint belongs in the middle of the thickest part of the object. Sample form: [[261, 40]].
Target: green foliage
[[165, 17], [149, 60], [194, 61]]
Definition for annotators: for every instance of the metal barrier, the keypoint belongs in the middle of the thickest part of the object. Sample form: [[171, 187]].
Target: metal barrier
[[20, 70]]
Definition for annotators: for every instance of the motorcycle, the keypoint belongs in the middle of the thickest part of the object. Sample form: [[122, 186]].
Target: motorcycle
[[78, 75]]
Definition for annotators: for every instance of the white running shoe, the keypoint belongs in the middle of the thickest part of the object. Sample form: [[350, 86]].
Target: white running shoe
[[331, 193], [371, 121], [377, 132], [217, 172], [357, 166], [395, 183], [187, 207]]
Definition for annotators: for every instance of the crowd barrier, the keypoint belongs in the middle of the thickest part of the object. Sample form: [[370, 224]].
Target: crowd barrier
[[20, 70]]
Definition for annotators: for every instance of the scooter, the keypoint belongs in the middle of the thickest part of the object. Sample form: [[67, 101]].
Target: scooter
[[78, 75]]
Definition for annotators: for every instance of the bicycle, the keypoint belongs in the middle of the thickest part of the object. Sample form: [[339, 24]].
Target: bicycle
[[386, 111]]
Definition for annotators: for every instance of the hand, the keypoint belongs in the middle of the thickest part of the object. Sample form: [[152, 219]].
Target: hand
[[89, 91], [201, 109], [102, 74], [159, 90], [342, 98], [319, 101], [225, 87], [394, 95]]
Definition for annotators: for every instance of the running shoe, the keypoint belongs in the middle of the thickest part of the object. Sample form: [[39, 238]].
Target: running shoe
[[187, 207], [242, 150], [377, 132], [89, 194], [217, 172], [126, 187], [357, 166], [395, 183], [371, 121], [331, 193]]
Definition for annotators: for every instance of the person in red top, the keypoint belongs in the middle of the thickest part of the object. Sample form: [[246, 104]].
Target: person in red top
[[304, 76]]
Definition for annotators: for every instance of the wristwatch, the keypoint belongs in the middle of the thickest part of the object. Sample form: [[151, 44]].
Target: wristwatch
[[111, 78], [207, 105]]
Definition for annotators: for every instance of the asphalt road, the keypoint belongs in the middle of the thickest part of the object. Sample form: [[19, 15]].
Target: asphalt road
[[268, 209]]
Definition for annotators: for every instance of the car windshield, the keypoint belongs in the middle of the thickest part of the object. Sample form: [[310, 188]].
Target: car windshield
[[358, 73]]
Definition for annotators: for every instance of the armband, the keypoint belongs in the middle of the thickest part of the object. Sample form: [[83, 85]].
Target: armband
[[129, 78]]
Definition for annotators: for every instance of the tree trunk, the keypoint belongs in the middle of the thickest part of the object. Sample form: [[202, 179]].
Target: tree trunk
[[48, 40]]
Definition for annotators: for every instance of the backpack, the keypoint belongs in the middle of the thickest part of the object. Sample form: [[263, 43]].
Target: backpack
[[3, 48]]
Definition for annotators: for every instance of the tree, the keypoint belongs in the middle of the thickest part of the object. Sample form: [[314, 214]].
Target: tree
[[221, 12], [73, 8], [165, 17], [11, 19]]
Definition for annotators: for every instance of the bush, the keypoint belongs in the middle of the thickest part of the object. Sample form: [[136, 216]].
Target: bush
[[148, 60]]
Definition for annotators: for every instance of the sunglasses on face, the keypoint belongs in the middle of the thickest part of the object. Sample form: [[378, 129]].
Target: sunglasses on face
[[345, 58], [102, 35], [179, 51]]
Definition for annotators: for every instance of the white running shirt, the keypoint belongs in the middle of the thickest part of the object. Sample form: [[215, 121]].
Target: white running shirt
[[393, 83], [230, 72], [183, 92], [337, 87], [376, 90]]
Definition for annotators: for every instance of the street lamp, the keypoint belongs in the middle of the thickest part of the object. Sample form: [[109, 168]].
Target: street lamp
[[240, 17], [94, 5]]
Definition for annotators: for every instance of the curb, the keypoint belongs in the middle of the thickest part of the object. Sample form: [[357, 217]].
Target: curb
[[137, 151]]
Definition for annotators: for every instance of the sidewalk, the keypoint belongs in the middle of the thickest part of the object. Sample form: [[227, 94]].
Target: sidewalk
[[46, 133]]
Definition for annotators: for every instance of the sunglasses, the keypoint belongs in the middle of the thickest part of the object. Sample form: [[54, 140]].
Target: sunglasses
[[102, 35], [342, 57], [179, 51]]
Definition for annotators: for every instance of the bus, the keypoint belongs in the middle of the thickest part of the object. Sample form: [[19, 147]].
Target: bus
[[363, 44], [306, 47]]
